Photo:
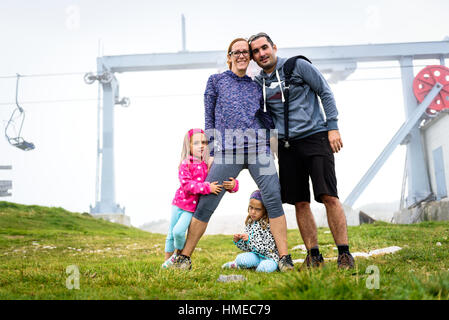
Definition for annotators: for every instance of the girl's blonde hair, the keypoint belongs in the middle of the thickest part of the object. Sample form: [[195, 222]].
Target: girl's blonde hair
[[186, 150], [230, 49]]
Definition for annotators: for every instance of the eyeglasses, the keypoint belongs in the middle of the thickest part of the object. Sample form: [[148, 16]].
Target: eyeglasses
[[237, 54]]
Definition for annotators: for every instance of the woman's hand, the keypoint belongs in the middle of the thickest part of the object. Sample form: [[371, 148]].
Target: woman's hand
[[229, 185], [215, 188]]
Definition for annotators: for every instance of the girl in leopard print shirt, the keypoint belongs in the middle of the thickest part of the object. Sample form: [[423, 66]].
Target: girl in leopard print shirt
[[257, 241]]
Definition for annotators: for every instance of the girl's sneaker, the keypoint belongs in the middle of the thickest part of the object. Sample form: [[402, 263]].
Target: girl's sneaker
[[183, 262], [230, 265], [169, 262]]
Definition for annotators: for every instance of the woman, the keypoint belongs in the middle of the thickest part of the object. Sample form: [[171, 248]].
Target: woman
[[233, 109]]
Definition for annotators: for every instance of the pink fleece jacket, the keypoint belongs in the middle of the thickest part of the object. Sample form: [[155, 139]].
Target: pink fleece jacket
[[192, 173]]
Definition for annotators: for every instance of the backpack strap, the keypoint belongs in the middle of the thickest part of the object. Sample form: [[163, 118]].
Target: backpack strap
[[288, 67]]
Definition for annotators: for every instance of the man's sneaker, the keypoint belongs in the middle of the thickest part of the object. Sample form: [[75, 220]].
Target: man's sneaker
[[230, 265], [169, 262], [183, 262], [345, 261], [286, 263], [312, 262]]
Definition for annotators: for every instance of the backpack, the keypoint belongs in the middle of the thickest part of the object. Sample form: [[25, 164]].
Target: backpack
[[288, 67]]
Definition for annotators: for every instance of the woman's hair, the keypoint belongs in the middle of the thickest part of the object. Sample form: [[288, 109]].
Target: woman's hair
[[186, 152], [264, 220], [230, 49]]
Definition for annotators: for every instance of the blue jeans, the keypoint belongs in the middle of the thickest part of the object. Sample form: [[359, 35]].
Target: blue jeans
[[252, 260], [176, 236]]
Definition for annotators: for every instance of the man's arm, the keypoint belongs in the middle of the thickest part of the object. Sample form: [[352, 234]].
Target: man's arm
[[313, 77]]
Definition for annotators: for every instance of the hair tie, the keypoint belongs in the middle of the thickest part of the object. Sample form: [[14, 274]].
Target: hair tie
[[256, 195], [193, 131]]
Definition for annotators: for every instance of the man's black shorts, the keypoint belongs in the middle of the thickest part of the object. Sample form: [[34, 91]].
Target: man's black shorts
[[307, 157]]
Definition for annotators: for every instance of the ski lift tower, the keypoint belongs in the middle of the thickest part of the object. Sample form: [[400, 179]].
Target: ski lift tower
[[337, 61]]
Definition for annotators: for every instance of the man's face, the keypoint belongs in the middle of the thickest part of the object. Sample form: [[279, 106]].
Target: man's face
[[264, 54]]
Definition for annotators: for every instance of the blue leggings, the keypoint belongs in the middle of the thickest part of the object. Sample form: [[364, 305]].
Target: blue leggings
[[251, 260], [179, 223]]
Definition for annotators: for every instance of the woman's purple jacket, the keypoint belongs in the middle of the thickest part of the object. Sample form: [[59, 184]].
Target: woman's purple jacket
[[233, 107]]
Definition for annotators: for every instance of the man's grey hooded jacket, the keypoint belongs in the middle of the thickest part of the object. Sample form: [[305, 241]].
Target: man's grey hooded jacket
[[305, 114]]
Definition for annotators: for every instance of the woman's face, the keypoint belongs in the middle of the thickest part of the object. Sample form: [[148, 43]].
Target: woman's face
[[256, 209], [239, 57], [198, 143]]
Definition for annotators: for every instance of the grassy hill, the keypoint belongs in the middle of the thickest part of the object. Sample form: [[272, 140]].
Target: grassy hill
[[38, 244]]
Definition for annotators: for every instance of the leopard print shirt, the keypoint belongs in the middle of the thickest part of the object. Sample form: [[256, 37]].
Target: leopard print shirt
[[260, 241]]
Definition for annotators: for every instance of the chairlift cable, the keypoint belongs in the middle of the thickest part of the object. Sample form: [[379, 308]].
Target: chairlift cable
[[38, 75], [95, 99]]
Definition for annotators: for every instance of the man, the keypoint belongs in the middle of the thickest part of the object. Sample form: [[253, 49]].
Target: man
[[310, 147]]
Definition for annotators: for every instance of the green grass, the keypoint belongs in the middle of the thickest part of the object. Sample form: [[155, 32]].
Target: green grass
[[37, 244]]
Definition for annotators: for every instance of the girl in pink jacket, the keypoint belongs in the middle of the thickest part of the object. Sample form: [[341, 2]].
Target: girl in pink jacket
[[192, 173]]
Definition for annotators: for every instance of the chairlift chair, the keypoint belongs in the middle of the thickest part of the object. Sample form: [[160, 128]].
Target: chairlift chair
[[20, 143], [17, 140]]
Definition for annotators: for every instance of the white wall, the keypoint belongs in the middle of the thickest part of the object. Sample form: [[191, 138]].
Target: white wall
[[437, 135]]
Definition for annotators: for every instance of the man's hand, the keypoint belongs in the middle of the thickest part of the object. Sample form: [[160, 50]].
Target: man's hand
[[229, 185], [335, 140]]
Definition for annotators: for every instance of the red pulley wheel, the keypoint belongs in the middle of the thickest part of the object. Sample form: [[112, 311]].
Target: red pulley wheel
[[424, 82]]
